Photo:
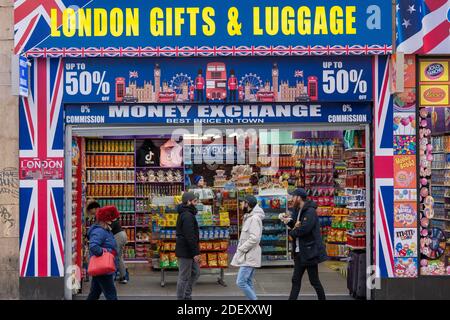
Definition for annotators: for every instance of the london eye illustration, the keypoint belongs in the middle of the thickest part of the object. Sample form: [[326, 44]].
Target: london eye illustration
[[252, 81], [179, 82]]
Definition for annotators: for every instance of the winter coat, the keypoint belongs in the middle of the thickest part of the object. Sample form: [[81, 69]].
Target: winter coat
[[99, 239], [188, 237], [248, 252], [312, 250]]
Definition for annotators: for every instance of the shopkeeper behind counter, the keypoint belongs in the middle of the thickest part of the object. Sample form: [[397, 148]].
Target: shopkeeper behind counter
[[199, 181]]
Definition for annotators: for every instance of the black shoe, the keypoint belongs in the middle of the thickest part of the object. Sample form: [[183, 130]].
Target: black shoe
[[123, 281]]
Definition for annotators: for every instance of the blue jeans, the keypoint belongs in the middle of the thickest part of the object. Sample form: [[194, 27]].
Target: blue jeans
[[103, 284], [245, 282]]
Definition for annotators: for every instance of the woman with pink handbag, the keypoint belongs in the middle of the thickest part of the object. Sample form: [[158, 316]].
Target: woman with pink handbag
[[103, 253]]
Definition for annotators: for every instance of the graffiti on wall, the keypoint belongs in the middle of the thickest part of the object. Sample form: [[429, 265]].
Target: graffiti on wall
[[9, 182]]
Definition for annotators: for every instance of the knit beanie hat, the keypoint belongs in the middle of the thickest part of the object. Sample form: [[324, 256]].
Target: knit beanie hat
[[108, 213]]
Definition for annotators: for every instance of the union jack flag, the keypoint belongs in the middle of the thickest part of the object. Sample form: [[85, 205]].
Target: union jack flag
[[423, 26], [41, 197], [298, 73], [383, 170], [134, 74]]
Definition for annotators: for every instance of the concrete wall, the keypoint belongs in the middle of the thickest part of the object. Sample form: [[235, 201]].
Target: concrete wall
[[9, 183]]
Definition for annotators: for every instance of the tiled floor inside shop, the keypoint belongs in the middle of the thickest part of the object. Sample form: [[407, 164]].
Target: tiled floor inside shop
[[270, 283]]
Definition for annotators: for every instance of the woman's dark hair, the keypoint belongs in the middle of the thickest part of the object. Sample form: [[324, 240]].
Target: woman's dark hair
[[93, 205]]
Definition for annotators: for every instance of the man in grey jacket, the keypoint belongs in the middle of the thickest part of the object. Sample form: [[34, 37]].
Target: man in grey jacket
[[248, 254]]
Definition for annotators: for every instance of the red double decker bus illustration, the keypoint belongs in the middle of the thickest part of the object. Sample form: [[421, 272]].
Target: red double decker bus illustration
[[265, 96], [167, 96], [216, 81]]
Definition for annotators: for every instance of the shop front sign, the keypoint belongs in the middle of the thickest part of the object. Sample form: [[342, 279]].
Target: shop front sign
[[202, 28], [217, 113]]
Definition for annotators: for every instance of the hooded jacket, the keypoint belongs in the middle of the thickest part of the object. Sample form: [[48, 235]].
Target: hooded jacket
[[248, 253], [187, 245], [312, 250], [99, 239]]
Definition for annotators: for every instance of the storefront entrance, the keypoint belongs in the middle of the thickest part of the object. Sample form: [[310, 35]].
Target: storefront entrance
[[143, 171]]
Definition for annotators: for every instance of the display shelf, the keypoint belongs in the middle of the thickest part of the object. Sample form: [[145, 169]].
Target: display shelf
[[356, 234], [110, 168], [356, 221], [107, 152], [162, 168], [112, 197], [355, 150], [440, 219], [356, 248], [159, 182], [111, 182]]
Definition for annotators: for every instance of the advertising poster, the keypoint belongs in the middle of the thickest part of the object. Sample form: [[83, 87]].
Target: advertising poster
[[439, 119], [434, 95], [405, 195], [410, 71], [405, 242], [405, 172], [266, 79], [405, 214], [404, 145], [434, 71], [405, 101], [406, 267], [404, 123]]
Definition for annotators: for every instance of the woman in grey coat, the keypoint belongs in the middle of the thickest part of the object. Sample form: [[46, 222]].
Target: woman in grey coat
[[248, 254]]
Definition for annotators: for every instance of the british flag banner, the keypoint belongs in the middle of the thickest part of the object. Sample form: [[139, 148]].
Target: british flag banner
[[41, 155], [383, 170], [423, 26]]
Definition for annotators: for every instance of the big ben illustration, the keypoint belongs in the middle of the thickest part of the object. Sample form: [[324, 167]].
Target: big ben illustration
[[157, 74], [275, 76]]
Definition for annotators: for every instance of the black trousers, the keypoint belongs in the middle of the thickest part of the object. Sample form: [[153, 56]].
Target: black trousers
[[199, 95], [233, 95], [103, 284], [313, 274]]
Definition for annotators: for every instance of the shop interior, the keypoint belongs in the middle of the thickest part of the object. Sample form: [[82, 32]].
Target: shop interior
[[144, 177], [434, 142]]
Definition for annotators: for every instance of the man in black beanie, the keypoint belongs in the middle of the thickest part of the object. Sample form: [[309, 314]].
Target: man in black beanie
[[187, 246], [307, 246]]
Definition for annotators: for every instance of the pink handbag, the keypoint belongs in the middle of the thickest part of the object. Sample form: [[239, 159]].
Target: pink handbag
[[102, 265]]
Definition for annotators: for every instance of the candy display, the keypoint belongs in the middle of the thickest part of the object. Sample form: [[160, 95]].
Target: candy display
[[108, 176], [95, 145], [110, 161], [434, 147], [274, 244], [113, 178], [330, 166], [355, 193], [405, 145], [107, 190]]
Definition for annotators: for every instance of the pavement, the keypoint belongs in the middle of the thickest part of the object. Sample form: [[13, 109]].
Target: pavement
[[270, 284]]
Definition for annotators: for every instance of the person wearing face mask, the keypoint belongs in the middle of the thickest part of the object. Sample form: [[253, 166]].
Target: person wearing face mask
[[101, 238], [187, 246], [248, 254], [307, 246]]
